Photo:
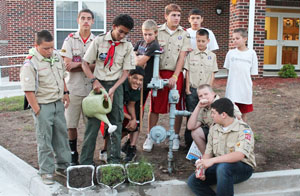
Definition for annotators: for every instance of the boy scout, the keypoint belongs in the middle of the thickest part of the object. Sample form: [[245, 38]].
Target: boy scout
[[114, 56], [175, 42], [201, 66], [229, 155], [73, 49], [201, 120], [42, 80]]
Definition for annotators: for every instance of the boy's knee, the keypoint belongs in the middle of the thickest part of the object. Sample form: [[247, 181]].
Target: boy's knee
[[224, 169], [191, 180]]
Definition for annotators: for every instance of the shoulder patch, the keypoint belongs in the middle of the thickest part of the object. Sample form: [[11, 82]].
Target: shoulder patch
[[247, 131], [63, 50], [29, 57]]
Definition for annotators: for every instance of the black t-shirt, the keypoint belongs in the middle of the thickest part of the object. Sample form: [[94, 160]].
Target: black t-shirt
[[143, 48], [130, 94]]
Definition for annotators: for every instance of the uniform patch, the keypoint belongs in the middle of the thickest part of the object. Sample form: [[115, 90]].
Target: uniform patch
[[248, 136], [238, 144], [247, 131], [63, 50], [26, 79], [102, 56], [179, 37], [76, 59], [209, 57], [231, 149]]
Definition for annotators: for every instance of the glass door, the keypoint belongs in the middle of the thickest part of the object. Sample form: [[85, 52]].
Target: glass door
[[281, 40]]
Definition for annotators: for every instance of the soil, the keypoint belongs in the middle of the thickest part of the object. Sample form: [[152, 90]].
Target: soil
[[275, 122], [80, 177], [111, 175]]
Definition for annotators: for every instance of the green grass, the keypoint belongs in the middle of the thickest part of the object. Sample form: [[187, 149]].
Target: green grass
[[11, 104]]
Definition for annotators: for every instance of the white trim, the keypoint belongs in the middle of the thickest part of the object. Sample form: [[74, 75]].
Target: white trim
[[251, 24], [283, 7]]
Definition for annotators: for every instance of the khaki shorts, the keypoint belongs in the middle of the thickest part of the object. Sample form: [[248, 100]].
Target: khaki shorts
[[74, 110]]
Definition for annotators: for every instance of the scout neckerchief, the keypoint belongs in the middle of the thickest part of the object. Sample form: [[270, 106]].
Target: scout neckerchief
[[51, 60], [110, 53]]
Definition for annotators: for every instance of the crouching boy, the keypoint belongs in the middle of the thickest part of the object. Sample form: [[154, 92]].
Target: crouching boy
[[229, 155]]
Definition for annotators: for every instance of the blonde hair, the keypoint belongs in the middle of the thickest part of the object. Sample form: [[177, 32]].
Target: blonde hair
[[172, 8], [150, 25]]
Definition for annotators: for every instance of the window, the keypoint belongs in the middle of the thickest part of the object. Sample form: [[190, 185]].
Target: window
[[66, 12]]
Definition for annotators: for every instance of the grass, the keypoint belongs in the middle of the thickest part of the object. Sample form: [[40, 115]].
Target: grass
[[141, 172], [112, 175], [11, 104]]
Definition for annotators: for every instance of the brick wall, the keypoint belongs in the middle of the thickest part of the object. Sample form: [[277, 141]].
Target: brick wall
[[142, 10], [239, 19], [24, 19], [3, 36], [291, 3]]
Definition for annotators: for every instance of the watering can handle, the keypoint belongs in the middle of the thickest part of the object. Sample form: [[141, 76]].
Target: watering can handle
[[102, 90]]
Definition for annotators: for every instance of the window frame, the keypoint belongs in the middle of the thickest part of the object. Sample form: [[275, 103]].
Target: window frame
[[79, 8]]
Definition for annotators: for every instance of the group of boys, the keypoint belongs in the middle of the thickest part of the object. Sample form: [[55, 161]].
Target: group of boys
[[109, 61]]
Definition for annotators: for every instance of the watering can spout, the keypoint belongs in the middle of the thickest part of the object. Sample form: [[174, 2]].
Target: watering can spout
[[103, 117]]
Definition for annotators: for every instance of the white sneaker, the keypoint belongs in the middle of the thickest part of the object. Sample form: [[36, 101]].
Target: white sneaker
[[148, 144], [103, 155], [176, 143], [47, 179]]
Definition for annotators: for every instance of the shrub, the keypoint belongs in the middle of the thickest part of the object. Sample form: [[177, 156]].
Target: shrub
[[287, 71]]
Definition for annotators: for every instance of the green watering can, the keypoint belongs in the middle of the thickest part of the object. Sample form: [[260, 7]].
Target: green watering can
[[95, 105]]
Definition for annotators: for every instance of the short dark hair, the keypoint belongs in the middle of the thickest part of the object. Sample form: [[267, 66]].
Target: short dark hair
[[195, 11], [43, 35], [203, 32], [223, 105], [243, 32], [138, 70], [86, 11], [124, 20]]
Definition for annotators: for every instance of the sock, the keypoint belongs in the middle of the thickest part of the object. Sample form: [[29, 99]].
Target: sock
[[73, 145]]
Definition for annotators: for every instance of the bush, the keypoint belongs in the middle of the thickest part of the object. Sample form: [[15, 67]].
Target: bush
[[287, 71]]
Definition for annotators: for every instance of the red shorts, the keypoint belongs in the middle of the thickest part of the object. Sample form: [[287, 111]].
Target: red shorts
[[245, 108], [160, 104]]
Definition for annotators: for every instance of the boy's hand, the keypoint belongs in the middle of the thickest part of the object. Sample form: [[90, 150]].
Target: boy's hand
[[111, 94], [172, 82], [187, 91], [97, 86], [36, 111], [131, 126], [66, 100], [203, 103], [206, 163]]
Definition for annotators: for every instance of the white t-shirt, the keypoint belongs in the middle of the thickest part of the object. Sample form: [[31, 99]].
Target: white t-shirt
[[212, 45], [241, 65]]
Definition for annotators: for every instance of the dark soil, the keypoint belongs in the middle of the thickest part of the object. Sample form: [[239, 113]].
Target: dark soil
[[80, 177]]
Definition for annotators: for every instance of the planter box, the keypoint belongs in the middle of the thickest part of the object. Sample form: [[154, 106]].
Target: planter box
[[98, 174], [138, 183], [84, 176]]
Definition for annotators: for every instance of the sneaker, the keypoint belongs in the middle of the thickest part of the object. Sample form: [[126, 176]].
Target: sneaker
[[74, 160], [125, 146], [176, 143], [131, 154], [148, 144], [47, 179], [61, 172], [103, 156]]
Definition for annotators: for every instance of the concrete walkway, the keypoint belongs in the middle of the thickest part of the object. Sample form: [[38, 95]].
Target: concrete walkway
[[10, 89], [18, 178]]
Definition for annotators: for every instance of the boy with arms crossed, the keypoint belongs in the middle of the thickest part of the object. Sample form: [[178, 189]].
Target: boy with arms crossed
[[73, 50]]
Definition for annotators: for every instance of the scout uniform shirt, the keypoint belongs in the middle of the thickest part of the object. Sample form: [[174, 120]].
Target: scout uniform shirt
[[172, 45], [123, 57], [74, 48], [50, 76], [238, 137], [205, 118], [200, 65]]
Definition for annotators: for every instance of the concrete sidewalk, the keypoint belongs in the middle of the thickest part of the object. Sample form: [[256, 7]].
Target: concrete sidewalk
[[19, 178], [10, 89]]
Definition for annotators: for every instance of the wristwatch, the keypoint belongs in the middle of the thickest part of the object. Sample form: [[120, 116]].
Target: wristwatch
[[67, 92], [93, 80]]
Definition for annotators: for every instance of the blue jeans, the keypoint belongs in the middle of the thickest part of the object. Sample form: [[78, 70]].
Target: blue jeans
[[222, 174]]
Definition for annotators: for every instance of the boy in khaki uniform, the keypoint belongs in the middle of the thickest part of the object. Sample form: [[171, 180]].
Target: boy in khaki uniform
[[201, 66], [73, 50], [175, 42], [114, 57], [229, 155], [200, 121], [42, 80]]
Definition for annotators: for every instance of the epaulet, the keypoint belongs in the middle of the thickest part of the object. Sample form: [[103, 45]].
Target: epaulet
[[245, 125], [184, 29], [102, 34], [71, 35], [29, 57]]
